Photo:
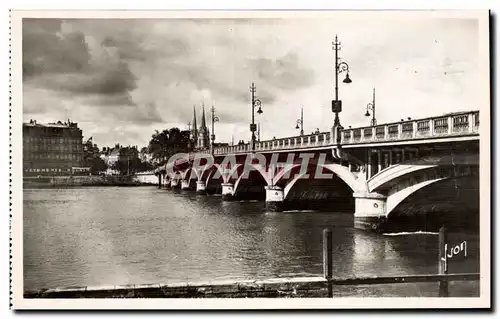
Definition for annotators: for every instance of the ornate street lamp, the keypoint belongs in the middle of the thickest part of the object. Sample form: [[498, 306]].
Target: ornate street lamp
[[255, 102], [214, 119], [300, 122], [340, 66], [371, 107]]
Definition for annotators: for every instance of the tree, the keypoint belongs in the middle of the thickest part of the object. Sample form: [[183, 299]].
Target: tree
[[96, 165], [128, 161], [91, 158], [167, 143]]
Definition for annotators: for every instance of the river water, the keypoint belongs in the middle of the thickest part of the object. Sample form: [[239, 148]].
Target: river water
[[138, 235]]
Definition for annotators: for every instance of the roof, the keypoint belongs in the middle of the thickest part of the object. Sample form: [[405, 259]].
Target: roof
[[59, 124]]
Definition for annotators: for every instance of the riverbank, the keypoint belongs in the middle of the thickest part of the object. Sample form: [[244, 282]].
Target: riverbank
[[461, 285]]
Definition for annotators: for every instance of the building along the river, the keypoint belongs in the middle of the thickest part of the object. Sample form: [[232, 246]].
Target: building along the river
[[52, 149]]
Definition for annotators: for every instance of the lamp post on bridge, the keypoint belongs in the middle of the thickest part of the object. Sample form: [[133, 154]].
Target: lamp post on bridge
[[301, 122], [255, 102], [371, 107], [339, 68], [212, 136]]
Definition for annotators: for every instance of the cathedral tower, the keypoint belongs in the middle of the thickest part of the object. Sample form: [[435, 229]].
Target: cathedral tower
[[203, 133]]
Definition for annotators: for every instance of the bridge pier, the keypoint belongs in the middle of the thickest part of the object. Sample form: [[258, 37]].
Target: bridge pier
[[166, 182], [184, 184], [370, 211], [274, 198], [227, 191], [174, 183], [200, 187]]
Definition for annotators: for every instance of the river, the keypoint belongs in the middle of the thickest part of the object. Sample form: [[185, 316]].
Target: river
[[137, 235]]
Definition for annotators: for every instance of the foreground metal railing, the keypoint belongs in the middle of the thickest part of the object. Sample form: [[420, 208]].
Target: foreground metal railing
[[442, 277]]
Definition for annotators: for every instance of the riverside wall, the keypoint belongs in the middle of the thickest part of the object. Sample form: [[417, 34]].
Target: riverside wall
[[270, 288]]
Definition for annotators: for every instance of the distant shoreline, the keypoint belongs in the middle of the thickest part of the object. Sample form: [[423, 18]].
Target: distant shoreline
[[83, 181]]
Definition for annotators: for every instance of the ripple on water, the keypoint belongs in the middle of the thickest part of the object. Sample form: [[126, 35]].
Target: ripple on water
[[103, 236]]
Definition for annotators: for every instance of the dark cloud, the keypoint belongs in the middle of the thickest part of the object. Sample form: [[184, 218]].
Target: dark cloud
[[149, 72], [111, 100], [115, 79], [64, 62], [47, 50]]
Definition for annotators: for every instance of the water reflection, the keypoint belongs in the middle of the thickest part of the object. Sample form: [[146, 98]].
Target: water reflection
[[113, 236]]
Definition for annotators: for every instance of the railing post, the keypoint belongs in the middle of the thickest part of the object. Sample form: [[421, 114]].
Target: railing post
[[328, 258], [443, 266]]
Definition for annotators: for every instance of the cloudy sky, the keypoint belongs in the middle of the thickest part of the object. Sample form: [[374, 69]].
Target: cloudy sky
[[122, 79]]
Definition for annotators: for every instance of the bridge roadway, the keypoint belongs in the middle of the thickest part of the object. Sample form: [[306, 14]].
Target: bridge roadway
[[380, 166]]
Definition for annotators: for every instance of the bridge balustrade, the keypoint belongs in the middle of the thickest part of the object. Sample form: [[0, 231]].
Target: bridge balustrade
[[393, 132], [368, 134], [441, 126], [423, 128], [457, 123], [380, 133], [452, 124], [407, 130]]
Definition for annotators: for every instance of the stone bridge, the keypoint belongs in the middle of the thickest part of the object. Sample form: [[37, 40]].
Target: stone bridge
[[373, 171]]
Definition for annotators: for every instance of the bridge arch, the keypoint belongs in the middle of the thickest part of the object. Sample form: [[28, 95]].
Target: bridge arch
[[405, 188], [189, 173], [392, 174], [342, 172], [226, 173], [174, 175], [257, 168]]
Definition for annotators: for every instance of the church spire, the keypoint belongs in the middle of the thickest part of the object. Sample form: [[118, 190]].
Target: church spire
[[203, 133], [194, 130], [194, 118], [203, 122]]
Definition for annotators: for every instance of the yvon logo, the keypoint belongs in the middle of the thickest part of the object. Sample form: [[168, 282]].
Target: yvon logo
[[451, 252]]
